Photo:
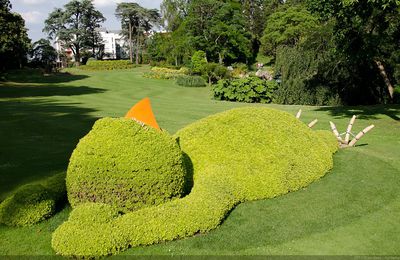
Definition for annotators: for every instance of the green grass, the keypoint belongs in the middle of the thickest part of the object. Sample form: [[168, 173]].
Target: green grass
[[353, 210]]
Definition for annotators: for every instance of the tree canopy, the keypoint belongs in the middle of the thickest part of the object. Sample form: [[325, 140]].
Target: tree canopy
[[75, 26]]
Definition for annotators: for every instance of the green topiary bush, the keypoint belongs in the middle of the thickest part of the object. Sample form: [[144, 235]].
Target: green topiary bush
[[238, 155], [250, 90], [190, 81], [129, 166], [33, 203]]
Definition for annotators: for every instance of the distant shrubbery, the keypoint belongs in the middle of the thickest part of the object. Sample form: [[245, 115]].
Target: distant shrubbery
[[94, 65], [190, 81], [250, 90], [165, 73], [228, 168], [33, 203]]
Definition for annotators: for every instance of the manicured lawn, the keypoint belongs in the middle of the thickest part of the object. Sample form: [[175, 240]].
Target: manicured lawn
[[353, 210]]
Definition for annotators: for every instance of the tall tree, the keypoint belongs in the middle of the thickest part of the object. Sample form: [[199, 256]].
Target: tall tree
[[136, 20], [43, 54], [219, 29], [14, 41], [75, 26], [173, 12], [368, 34]]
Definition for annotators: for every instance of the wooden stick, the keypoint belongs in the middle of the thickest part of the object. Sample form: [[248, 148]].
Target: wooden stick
[[298, 114], [349, 127], [361, 134], [335, 132], [313, 123]]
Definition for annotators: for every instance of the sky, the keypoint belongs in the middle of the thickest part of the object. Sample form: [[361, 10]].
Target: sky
[[36, 11]]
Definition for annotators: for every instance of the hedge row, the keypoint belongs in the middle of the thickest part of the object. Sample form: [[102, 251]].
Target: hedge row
[[190, 81], [250, 90], [94, 65], [122, 163], [238, 155], [33, 203], [165, 73]]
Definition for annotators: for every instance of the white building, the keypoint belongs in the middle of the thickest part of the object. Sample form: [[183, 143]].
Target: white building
[[114, 44]]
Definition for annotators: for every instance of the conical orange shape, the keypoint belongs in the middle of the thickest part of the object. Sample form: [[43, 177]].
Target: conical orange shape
[[143, 113]]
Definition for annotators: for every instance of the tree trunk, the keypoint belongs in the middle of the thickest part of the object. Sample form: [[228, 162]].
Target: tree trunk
[[77, 56], [130, 42], [137, 45], [176, 61], [385, 77], [220, 59]]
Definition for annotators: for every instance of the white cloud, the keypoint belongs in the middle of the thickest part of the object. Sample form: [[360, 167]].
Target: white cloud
[[104, 3], [33, 2], [32, 17]]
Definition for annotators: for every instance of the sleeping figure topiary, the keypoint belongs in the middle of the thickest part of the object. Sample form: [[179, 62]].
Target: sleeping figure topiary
[[126, 181]]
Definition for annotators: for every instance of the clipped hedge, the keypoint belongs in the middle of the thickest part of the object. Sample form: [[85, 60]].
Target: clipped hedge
[[127, 165], [33, 203], [238, 155], [165, 73], [94, 65], [190, 81], [250, 90]]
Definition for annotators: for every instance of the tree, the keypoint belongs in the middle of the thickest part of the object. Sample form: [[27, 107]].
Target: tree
[[136, 20], [219, 29], [43, 54], [173, 13], [14, 41], [75, 26], [287, 27], [367, 33]]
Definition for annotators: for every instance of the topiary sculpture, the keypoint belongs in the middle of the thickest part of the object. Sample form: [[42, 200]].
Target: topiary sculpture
[[238, 155], [123, 164]]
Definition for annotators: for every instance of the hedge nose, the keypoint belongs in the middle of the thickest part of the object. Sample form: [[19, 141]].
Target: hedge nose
[[129, 166], [238, 155]]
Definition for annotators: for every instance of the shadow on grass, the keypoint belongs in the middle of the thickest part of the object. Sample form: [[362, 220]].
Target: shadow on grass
[[16, 91], [37, 137], [364, 112], [36, 76]]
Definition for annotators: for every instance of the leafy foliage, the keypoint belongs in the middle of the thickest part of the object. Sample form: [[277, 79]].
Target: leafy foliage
[[43, 54], [227, 170], [250, 90], [287, 27], [14, 41], [33, 203], [190, 81], [75, 26], [121, 163], [165, 73], [98, 65]]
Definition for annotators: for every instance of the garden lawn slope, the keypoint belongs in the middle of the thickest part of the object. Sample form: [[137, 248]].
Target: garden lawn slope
[[238, 155]]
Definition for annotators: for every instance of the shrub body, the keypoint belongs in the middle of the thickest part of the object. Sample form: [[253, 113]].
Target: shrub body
[[94, 65], [33, 203], [165, 73], [190, 81], [238, 155], [124, 164], [250, 90]]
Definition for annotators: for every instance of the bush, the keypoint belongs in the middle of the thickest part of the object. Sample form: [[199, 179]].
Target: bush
[[396, 95], [129, 166], [94, 65], [238, 155], [190, 81], [250, 90], [198, 61], [33, 203], [165, 73]]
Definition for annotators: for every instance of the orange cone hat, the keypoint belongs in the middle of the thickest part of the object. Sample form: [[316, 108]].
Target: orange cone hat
[[143, 113]]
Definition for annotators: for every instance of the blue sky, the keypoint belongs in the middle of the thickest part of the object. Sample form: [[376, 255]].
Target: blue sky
[[36, 11]]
